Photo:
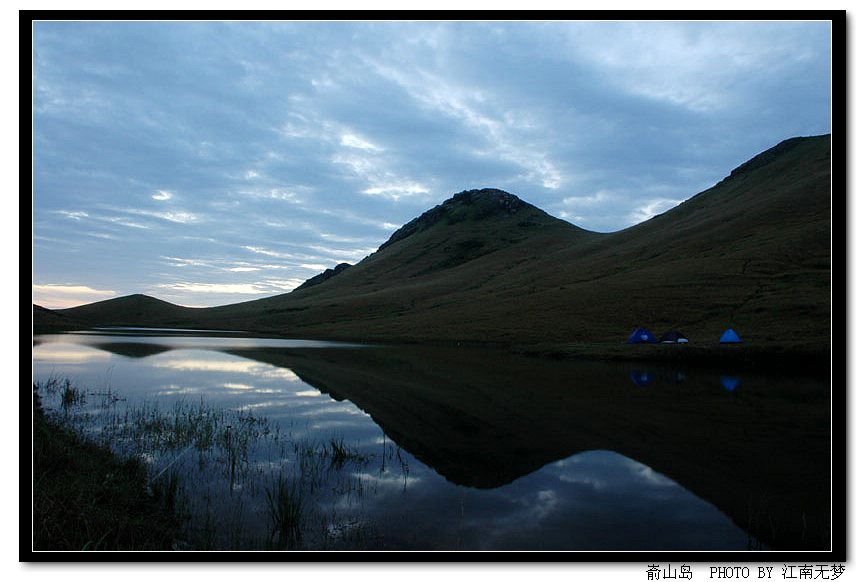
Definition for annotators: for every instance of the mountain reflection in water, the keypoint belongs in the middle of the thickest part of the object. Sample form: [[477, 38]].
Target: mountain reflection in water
[[528, 453]]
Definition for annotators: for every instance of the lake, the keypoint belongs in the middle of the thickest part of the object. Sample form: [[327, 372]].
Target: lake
[[424, 448]]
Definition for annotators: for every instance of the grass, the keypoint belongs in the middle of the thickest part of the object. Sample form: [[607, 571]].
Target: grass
[[340, 453], [110, 475], [285, 504], [87, 498]]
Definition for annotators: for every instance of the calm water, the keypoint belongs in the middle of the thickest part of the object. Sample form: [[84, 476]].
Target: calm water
[[458, 448]]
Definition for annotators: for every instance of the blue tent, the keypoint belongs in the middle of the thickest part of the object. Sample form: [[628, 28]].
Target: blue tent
[[641, 335], [730, 337]]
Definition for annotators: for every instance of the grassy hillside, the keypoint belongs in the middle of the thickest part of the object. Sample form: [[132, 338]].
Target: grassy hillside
[[752, 252], [131, 310], [433, 265], [48, 319]]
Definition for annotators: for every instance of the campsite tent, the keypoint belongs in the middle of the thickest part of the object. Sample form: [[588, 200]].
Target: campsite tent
[[730, 337], [641, 335], [674, 337]]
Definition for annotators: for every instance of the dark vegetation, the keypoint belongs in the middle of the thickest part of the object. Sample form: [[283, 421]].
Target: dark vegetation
[[86, 498], [91, 491], [751, 253]]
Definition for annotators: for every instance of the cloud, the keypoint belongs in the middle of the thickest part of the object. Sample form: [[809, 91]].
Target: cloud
[[597, 198], [395, 191], [354, 141], [179, 262], [695, 65], [500, 130], [381, 180], [652, 208], [122, 221], [57, 296], [280, 193], [269, 253], [284, 284], [198, 140], [571, 216], [239, 288], [349, 254], [74, 215], [180, 217]]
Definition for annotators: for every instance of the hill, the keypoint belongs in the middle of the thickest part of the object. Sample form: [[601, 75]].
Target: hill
[[131, 310], [322, 277], [752, 252]]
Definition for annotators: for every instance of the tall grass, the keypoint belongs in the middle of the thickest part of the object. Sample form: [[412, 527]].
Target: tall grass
[[86, 498], [231, 478], [285, 503]]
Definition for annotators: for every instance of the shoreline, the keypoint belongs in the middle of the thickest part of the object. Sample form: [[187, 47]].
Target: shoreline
[[812, 359]]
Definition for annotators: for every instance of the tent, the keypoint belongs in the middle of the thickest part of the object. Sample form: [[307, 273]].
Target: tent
[[674, 337], [641, 335], [730, 337]]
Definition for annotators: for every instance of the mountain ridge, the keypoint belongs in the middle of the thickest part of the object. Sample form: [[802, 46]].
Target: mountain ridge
[[323, 276], [466, 205], [751, 252]]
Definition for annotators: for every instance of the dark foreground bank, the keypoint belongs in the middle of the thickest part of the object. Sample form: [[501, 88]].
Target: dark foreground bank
[[86, 498]]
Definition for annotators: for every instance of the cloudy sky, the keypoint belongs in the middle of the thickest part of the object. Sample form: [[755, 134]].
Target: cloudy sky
[[208, 163]]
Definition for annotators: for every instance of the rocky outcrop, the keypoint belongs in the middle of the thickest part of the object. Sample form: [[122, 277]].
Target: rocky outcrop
[[463, 206]]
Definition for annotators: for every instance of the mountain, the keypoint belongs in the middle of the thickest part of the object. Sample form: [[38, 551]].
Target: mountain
[[50, 319], [752, 252], [131, 310], [322, 277]]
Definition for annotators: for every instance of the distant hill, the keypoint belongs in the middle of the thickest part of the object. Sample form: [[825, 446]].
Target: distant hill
[[752, 252], [48, 319], [131, 310]]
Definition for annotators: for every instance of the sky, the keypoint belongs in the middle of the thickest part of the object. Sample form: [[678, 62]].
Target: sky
[[208, 163]]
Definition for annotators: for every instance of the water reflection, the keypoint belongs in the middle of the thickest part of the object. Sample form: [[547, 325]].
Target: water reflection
[[642, 377], [603, 500], [646, 377], [480, 449], [674, 376], [69, 353], [220, 364], [730, 383]]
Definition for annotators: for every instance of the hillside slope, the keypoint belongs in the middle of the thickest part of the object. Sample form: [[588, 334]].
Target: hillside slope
[[752, 252], [439, 260], [131, 310]]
